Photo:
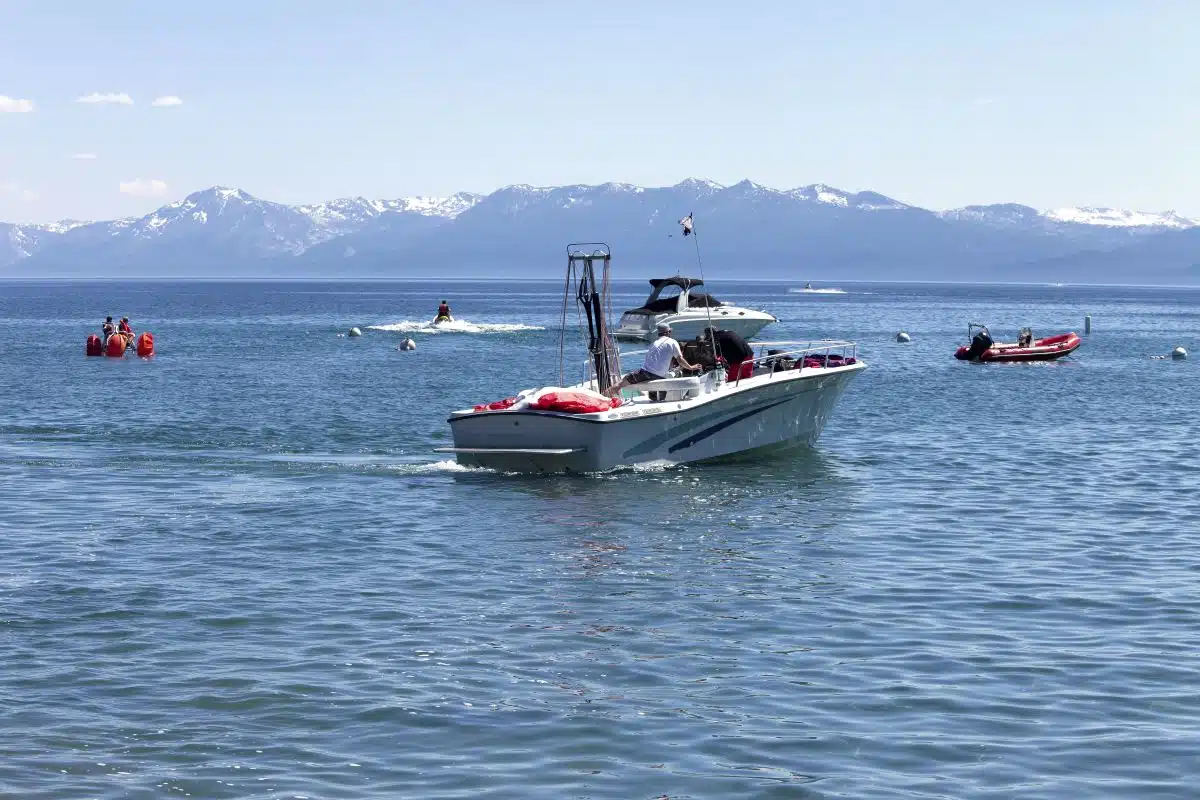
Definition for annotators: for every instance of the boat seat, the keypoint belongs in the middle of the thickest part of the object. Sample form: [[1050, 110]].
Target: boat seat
[[671, 388]]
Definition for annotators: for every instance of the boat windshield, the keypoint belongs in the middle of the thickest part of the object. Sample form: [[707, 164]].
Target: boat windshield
[[665, 299]]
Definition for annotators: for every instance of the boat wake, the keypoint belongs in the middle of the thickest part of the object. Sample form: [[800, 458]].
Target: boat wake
[[457, 326], [816, 291], [433, 468]]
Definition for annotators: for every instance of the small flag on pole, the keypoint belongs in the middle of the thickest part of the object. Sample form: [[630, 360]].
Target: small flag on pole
[[686, 222]]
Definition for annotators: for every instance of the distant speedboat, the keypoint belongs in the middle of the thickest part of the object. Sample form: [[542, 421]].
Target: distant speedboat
[[689, 313]]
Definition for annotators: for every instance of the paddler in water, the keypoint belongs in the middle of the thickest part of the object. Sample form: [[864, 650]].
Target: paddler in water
[[443, 314]]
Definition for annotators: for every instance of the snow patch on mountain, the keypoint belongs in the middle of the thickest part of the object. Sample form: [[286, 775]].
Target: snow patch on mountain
[[1119, 218], [448, 207], [25, 240], [832, 196], [62, 226], [820, 193], [998, 214], [699, 186]]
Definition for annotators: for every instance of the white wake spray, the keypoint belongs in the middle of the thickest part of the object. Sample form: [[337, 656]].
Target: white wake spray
[[457, 326]]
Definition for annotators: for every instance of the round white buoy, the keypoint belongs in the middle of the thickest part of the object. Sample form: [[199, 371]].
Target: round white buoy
[[903, 337], [408, 344], [355, 332], [1179, 354]]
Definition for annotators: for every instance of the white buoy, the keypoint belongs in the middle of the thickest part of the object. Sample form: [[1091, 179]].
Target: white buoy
[[1087, 325], [355, 332], [408, 344], [1179, 354], [903, 337]]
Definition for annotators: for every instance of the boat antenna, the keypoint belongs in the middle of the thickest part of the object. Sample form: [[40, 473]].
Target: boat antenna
[[689, 229]]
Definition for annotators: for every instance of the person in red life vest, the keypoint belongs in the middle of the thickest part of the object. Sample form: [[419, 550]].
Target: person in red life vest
[[663, 353], [443, 314], [124, 329]]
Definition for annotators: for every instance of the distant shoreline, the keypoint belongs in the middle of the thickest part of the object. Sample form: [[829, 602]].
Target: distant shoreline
[[492, 279]]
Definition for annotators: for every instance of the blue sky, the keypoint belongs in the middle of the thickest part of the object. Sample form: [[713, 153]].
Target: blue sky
[[936, 103]]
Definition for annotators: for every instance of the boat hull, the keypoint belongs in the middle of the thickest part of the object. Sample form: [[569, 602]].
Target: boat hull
[[770, 412], [643, 327], [1048, 349]]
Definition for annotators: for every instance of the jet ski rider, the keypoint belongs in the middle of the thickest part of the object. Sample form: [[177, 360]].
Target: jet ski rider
[[443, 314]]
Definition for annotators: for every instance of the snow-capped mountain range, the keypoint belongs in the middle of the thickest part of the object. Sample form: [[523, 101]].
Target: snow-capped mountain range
[[229, 231]]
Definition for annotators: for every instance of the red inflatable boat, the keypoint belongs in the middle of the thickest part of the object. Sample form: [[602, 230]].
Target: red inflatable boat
[[983, 348]]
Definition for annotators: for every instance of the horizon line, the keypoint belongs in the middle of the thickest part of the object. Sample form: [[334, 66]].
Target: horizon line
[[494, 279]]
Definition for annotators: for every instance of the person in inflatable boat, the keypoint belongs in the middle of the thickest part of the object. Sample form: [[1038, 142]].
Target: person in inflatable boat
[[663, 353], [107, 330], [443, 314], [124, 329]]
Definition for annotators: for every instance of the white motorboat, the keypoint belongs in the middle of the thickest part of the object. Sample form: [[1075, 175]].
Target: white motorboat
[[780, 397], [688, 312]]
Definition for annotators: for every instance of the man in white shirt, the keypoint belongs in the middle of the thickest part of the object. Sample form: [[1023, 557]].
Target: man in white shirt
[[662, 354]]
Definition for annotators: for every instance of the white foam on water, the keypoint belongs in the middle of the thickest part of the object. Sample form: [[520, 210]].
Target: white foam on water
[[457, 326], [816, 291], [434, 468]]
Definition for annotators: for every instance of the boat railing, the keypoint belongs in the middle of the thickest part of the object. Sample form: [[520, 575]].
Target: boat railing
[[793, 350], [799, 350]]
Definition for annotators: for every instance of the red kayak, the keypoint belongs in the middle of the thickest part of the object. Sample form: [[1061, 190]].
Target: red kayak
[[983, 348]]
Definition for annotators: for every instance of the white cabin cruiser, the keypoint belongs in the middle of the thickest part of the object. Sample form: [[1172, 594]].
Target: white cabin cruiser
[[688, 312], [778, 398]]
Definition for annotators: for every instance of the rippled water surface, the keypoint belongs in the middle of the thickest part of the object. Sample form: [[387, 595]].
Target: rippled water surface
[[238, 570]]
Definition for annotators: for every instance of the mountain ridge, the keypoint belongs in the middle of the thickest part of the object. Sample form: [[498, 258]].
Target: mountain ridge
[[228, 231]]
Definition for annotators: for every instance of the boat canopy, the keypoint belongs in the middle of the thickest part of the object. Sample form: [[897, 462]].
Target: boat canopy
[[678, 280], [656, 303]]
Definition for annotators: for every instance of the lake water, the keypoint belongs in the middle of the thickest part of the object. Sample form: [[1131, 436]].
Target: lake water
[[238, 570]]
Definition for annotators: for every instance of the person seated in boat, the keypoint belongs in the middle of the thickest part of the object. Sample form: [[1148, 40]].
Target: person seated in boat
[[1025, 338], [124, 329], [662, 354], [443, 314], [107, 330]]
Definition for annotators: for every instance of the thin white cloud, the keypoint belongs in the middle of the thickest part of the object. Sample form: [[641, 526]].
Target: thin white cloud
[[167, 100], [83, 157], [18, 191], [14, 105], [144, 188], [106, 99]]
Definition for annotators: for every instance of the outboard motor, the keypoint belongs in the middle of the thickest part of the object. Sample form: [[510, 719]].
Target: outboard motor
[[980, 343]]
